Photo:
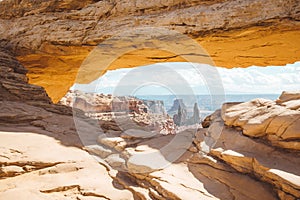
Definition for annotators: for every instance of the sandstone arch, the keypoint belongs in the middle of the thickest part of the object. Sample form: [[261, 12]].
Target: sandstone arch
[[52, 44]]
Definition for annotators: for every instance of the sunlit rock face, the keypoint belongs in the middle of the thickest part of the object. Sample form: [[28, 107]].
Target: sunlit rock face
[[260, 137], [42, 156], [53, 38], [278, 121]]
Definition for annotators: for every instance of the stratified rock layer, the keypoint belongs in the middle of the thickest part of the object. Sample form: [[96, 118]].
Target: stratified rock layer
[[278, 122], [14, 83], [53, 38], [39, 159], [121, 112], [36, 157], [262, 120]]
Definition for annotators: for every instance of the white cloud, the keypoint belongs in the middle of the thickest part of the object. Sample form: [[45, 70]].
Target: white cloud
[[262, 80]]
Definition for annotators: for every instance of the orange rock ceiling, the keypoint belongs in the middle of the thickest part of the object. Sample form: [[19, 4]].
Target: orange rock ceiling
[[56, 68], [53, 38]]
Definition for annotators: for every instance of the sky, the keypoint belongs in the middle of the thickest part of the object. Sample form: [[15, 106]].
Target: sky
[[187, 78]]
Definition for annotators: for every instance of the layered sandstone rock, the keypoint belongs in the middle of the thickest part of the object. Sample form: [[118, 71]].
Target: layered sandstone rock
[[85, 22], [53, 38], [100, 103], [254, 156], [36, 157], [157, 174], [277, 121], [14, 83], [223, 171], [121, 112], [39, 161]]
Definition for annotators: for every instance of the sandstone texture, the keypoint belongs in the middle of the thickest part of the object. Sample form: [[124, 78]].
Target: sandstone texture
[[35, 166], [277, 122], [53, 38], [14, 82], [37, 160], [48, 151], [266, 154]]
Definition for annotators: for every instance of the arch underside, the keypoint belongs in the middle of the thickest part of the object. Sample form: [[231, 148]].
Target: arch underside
[[56, 67]]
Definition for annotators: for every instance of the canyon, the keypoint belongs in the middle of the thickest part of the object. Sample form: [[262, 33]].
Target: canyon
[[244, 150]]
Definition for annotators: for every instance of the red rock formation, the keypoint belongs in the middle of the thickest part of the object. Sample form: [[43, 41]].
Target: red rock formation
[[38, 159], [109, 108]]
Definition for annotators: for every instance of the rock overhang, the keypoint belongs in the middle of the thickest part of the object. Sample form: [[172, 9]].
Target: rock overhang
[[53, 43]]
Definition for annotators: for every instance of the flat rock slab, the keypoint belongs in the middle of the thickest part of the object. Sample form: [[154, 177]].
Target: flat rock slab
[[52, 171]]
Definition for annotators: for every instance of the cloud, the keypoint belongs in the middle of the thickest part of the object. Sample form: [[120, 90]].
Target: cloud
[[270, 80], [199, 78]]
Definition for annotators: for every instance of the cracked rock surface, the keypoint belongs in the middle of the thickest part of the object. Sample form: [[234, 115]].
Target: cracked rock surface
[[35, 166], [277, 122]]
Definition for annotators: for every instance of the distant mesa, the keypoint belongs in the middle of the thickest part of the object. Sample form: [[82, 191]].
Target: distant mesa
[[123, 112]]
